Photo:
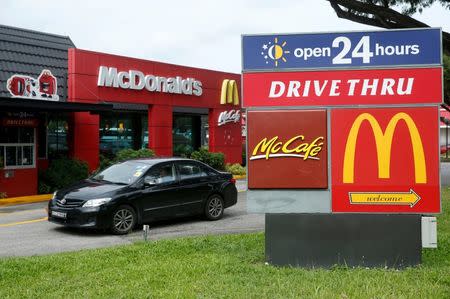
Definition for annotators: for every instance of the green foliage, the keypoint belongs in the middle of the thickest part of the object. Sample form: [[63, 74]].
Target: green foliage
[[183, 150], [128, 154], [407, 7], [235, 169], [446, 59], [104, 162], [62, 173], [123, 155], [43, 188], [410, 7], [215, 160]]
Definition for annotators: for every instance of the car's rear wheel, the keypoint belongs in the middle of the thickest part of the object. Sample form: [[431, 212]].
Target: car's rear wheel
[[123, 220], [214, 207]]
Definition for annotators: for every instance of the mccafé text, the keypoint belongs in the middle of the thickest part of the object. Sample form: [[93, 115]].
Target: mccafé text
[[294, 147], [334, 88], [228, 117]]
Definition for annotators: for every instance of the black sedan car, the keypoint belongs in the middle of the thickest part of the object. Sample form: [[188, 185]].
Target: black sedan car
[[144, 190]]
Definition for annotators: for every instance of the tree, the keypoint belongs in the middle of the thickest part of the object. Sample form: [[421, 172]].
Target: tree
[[447, 79], [381, 13]]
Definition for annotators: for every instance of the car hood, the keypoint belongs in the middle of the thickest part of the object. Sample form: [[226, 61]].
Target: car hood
[[88, 189]]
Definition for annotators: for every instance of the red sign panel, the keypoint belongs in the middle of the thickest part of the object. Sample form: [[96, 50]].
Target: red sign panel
[[385, 160], [287, 149], [336, 88], [20, 122]]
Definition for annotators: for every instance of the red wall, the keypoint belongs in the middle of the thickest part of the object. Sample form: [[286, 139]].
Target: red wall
[[23, 183], [82, 85]]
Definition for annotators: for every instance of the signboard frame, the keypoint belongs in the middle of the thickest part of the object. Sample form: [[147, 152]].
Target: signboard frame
[[340, 67], [330, 108]]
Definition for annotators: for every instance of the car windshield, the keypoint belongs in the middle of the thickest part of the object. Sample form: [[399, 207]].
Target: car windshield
[[122, 173]]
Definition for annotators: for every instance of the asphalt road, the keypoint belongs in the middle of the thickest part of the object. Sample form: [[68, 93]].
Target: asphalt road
[[24, 230]]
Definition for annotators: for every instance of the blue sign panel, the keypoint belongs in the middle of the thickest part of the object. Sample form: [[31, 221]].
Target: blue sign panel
[[342, 50]]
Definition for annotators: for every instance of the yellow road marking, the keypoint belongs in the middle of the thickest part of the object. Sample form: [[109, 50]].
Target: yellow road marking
[[23, 222]]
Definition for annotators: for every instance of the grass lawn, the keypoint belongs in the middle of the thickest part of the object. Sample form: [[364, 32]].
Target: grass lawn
[[229, 266]]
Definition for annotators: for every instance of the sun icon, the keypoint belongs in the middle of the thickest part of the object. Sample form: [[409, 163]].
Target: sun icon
[[274, 51]]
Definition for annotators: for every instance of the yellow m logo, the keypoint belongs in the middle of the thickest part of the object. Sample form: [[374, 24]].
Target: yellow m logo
[[229, 93], [383, 143]]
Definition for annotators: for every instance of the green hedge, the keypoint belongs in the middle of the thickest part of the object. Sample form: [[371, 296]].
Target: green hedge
[[215, 160], [128, 154], [235, 169], [123, 155], [62, 173]]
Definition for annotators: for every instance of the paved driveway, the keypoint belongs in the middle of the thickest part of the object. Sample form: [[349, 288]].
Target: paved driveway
[[25, 231]]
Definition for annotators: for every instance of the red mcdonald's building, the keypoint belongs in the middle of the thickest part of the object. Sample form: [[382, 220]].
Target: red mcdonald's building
[[57, 100]]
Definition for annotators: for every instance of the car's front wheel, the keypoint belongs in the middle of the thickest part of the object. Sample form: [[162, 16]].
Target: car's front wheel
[[214, 207], [123, 220]]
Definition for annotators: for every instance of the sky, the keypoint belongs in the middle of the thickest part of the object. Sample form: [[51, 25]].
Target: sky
[[205, 34]]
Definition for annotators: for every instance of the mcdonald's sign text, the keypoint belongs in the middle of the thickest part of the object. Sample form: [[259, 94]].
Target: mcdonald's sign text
[[385, 160]]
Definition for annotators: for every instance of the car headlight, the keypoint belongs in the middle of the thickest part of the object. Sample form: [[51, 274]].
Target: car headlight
[[54, 195], [96, 202]]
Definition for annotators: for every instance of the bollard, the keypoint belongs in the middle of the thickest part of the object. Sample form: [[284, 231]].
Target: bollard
[[145, 230]]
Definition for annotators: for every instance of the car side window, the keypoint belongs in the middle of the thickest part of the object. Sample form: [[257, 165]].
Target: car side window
[[190, 170], [161, 174], [208, 170]]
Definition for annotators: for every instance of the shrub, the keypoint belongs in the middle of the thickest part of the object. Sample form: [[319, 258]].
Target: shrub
[[183, 150], [235, 169], [104, 162], [215, 160], [127, 154], [244, 155], [43, 188], [62, 173]]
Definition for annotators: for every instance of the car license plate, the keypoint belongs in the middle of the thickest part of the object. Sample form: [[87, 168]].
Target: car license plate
[[59, 214]]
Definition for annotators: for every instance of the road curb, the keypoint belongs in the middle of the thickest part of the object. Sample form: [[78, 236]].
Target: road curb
[[25, 199]]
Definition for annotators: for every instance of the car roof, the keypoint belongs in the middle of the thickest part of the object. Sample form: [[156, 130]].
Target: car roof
[[156, 160]]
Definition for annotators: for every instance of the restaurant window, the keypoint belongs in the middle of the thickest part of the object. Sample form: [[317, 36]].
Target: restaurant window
[[57, 129], [186, 133], [122, 130], [144, 135], [17, 148], [204, 130]]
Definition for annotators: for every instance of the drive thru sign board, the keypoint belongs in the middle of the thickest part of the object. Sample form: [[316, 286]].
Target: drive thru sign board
[[384, 159]]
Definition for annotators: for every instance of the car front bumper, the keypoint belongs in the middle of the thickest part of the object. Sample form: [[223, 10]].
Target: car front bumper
[[98, 217]]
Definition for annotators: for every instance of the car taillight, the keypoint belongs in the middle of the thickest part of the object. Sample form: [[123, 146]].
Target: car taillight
[[233, 181]]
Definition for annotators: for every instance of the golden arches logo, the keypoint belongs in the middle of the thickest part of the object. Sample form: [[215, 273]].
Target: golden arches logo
[[229, 93], [383, 143]]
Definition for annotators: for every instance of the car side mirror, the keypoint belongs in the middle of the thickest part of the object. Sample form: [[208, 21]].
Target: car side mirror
[[149, 181]]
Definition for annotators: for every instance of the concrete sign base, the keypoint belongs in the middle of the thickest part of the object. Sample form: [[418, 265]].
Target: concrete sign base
[[353, 240]]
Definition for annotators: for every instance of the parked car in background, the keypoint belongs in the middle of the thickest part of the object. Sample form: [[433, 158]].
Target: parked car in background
[[143, 190]]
